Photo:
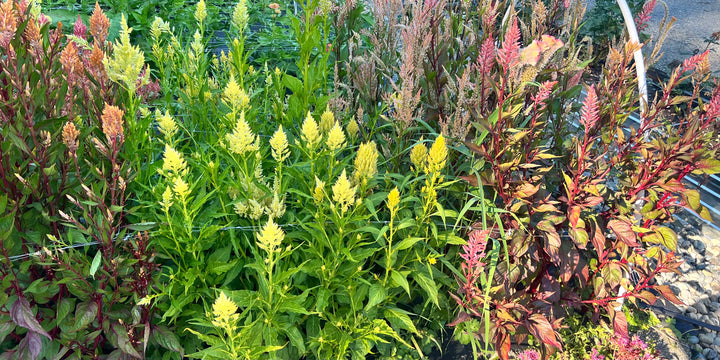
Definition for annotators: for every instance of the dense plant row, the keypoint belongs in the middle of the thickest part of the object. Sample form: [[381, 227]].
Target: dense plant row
[[419, 166]]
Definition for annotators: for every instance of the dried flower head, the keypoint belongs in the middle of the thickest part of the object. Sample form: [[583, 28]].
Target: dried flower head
[[112, 123], [310, 132], [70, 137], [270, 237], [437, 156], [344, 192], [224, 312], [99, 25], [127, 61], [174, 162], [242, 139], [240, 16], [279, 145], [336, 138], [200, 12], [366, 162]]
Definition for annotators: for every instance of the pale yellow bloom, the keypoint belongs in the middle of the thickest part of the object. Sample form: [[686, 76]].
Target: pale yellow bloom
[[197, 45], [319, 191], [242, 139], [393, 200], [336, 138], [327, 119], [437, 156], [234, 96], [310, 132], [366, 162], [166, 123], [418, 155], [200, 11], [241, 208], [276, 209], [353, 129], [240, 16], [344, 192], [224, 311], [279, 145], [167, 199], [270, 237], [277, 71], [181, 189], [158, 27], [173, 161], [127, 61], [255, 210]]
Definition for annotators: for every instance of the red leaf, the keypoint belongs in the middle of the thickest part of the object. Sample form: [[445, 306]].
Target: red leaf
[[21, 314], [472, 179], [668, 294], [574, 215], [624, 232], [620, 323], [502, 344], [541, 329], [461, 318]]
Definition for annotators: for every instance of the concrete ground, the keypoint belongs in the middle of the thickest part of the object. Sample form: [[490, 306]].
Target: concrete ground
[[696, 21]]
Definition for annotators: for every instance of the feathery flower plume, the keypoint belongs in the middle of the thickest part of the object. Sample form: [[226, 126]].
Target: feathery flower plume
[[79, 28], [112, 123], [336, 138], [240, 16], [344, 192], [509, 53], [353, 129], [327, 119], [589, 114], [8, 22], [181, 189], [473, 253], [174, 162], [279, 145], [166, 123], [166, 202], [224, 312], [543, 93], [319, 191], [70, 137], [234, 96], [437, 156], [366, 162], [200, 11], [393, 201], [644, 16], [71, 63], [99, 25], [270, 237], [276, 209], [242, 139], [310, 132], [127, 61], [418, 155]]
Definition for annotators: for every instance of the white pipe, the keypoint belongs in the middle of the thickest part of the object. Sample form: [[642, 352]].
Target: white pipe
[[639, 60]]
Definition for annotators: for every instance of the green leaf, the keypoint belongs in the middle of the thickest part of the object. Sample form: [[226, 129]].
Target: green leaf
[[400, 319], [123, 341], [63, 309], [407, 243], [669, 238], [400, 279], [428, 285], [296, 339], [85, 313], [95, 263], [166, 339], [377, 295]]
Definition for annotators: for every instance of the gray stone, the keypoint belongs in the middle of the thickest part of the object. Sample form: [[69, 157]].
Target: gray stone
[[716, 342], [706, 338], [699, 245], [700, 308], [693, 339], [711, 354]]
